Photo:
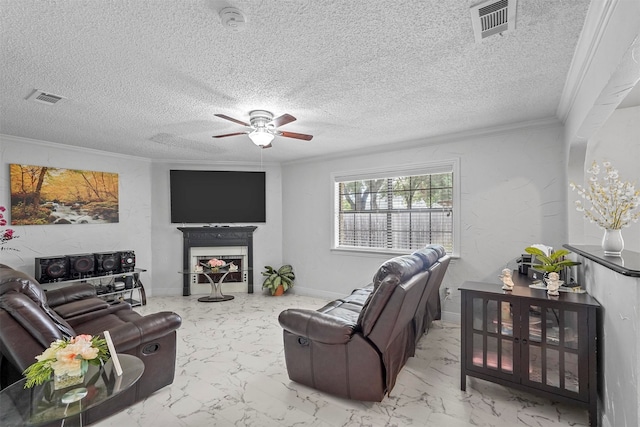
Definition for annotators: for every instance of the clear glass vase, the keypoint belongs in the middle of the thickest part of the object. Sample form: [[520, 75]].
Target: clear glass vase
[[66, 380]]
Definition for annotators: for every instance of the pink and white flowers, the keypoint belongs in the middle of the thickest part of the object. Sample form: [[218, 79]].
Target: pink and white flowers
[[67, 357], [6, 234], [215, 262], [609, 202]]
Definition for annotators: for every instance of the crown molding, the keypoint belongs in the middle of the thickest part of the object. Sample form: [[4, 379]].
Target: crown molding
[[84, 150], [233, 163], [440, 139], [595, 24]]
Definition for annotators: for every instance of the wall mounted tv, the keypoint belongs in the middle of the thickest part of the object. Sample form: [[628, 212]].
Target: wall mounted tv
[[199, 196]]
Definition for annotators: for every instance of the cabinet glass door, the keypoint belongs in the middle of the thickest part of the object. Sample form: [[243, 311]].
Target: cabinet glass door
[[492, 335], [550, 348]]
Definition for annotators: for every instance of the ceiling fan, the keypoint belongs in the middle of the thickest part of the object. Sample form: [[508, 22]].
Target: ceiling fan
[[263, 127]]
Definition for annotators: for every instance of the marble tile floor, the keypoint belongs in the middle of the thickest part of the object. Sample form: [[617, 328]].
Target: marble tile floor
[[231, 372]]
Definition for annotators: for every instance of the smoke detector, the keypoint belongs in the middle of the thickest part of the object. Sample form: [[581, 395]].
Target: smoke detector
[[233, 18], [493, 17]]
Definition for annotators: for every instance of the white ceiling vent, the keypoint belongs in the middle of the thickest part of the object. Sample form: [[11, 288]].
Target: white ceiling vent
[[44, 97], [493, 17]]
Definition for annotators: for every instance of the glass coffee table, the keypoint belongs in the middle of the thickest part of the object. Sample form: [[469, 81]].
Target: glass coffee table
[[216, 278], [42, 404]]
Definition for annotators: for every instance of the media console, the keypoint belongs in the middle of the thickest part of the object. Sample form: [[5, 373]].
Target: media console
[[112, 287]]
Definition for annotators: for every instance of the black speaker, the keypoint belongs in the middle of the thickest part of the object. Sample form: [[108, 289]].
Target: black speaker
[[127, 261], [81, 265], [107, 263], [52, 269]]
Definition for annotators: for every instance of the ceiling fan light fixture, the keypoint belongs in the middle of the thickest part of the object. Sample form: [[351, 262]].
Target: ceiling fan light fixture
[[261, 137]]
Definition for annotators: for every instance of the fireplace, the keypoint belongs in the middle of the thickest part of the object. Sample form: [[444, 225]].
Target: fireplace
[[232, 244]]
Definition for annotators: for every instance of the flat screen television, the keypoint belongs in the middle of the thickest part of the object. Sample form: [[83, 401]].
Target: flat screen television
[[199, 196]]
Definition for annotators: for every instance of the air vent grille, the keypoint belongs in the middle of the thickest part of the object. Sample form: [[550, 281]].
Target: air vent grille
[[493, 17], [44, 97]]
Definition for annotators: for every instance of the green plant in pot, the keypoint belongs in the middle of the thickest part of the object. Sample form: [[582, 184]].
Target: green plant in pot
[[552, 263], [278, 281]]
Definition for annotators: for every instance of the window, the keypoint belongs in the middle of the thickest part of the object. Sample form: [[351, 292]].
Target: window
[[397, 211]]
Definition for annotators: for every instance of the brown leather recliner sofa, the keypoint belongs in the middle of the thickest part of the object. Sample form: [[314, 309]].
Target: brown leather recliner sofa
[[31, 319], [354, 347]]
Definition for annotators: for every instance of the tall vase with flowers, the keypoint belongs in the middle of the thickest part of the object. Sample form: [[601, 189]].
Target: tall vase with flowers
[[610, 203]]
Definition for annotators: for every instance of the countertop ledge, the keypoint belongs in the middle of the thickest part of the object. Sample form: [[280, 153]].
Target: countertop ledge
[[628, 264]]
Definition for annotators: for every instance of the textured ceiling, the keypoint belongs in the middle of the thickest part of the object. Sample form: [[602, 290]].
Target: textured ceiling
[[145, 78]]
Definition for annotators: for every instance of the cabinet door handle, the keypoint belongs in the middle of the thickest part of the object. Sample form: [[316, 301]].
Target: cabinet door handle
[[516, 340], [524, 341]]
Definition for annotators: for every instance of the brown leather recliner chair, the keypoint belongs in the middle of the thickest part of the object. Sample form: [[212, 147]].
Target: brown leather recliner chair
[[354, 347], [31, 319]]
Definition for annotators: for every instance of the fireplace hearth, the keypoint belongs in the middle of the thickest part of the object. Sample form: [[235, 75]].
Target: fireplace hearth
[[216, 237]]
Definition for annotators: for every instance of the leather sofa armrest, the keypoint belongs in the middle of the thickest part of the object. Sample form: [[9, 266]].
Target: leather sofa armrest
[[143, 329], [317, 326]]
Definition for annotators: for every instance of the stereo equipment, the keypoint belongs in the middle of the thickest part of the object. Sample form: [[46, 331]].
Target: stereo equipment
[[52, 269], [127, 261], [81, 266], [107, 263], [128, 282]]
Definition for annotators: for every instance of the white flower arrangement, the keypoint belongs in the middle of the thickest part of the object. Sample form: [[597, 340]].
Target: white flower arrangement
[[611, 201]]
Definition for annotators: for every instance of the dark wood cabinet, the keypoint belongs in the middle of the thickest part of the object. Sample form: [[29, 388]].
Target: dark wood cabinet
[[531, 341]]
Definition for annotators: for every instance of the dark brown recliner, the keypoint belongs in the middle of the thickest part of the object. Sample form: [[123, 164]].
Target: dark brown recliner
[[354, 347], [31, 319]]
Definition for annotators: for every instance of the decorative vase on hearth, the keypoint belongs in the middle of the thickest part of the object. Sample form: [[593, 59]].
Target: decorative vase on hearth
[[612, 242]]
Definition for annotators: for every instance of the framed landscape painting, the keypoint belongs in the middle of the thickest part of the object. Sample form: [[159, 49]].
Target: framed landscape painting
[[46, 195]]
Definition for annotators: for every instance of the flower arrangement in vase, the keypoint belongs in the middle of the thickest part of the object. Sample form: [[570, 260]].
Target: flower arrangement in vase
[[67, 360], [609, 203], [6, 234], [214, 264]]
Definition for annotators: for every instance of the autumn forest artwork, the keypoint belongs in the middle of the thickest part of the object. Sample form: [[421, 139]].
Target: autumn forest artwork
[[46, 195]]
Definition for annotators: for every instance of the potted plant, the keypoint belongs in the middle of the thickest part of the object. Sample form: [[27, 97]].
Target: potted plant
[[552, 263], [278, 281]]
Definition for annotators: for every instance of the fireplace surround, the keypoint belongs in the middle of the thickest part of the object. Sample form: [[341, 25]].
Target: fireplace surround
[[202, 237]]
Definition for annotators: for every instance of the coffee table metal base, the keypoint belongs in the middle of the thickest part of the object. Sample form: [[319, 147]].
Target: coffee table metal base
[[216, 289], [216, 299]]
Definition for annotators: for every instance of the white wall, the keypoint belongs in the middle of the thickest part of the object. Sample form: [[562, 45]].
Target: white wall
[[167, 239], [620, 298], [145, 224], [618, 141], [131, 232], [513, 195]]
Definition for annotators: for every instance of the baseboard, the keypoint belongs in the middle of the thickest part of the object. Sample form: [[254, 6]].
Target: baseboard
[[451, 317]]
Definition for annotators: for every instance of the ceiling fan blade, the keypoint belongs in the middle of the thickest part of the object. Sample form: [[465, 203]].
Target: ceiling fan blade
[[282, 120], [229, 134], [296, 135], [231, 119]]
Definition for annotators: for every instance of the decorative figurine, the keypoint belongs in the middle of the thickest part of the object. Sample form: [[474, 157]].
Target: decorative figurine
[[507, 282], [553, 284]]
